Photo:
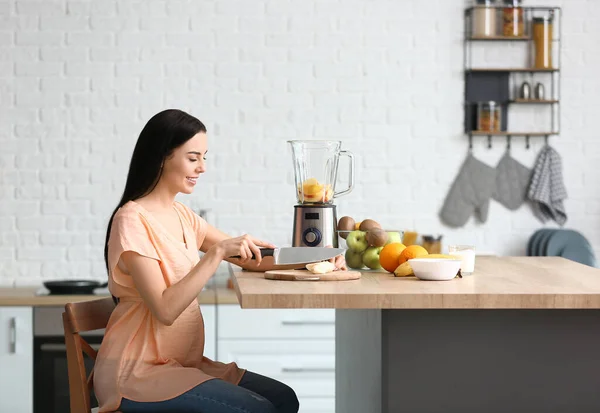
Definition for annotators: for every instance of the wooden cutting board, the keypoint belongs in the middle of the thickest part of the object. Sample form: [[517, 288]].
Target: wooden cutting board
[[305, 275]]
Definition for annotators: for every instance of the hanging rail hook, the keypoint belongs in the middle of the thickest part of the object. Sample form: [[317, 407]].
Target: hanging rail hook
[[546, 140], [508, 142], [489, 141], [470, 142], [527, 145]]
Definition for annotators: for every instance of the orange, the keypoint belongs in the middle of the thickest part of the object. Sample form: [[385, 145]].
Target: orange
[[412, 251], [389, 256]]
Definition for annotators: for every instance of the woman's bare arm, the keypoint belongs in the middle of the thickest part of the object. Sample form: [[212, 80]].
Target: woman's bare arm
[[167, 303]]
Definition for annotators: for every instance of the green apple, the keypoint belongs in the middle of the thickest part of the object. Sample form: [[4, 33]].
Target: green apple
[[393, 237], [357, 241], [354, 259], [371, 258]]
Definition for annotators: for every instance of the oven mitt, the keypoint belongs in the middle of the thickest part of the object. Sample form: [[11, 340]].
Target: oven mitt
[[471, 191], [512, 182]]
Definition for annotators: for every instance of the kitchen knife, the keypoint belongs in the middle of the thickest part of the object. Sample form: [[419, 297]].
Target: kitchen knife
[[299, 255]]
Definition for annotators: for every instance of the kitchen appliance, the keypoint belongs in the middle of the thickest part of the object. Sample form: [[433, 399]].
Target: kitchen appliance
[[73, 287], [315, 172], [298, 255], [50, 371]]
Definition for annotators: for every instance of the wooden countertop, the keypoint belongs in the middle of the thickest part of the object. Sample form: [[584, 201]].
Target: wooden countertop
[[498, 282], [26, 296]]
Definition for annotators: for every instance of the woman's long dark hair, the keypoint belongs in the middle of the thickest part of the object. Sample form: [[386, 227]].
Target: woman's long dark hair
[[163, 133]]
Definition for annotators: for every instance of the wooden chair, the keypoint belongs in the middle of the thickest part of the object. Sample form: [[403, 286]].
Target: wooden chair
[[81, 317]]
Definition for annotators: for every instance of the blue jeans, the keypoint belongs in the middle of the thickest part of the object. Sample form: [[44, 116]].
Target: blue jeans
[[254, 394]]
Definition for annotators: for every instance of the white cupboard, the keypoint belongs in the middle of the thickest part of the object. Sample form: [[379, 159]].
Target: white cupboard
[[294, 346], [210, 330], [16, 359]]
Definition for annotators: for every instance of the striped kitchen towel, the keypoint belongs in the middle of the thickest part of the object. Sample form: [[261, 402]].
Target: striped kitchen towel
[[547, 189]]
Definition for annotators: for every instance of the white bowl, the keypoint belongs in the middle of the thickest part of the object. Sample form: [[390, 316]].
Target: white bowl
[[435, 269]]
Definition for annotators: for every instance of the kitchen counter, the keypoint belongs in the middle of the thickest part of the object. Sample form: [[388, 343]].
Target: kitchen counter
[[26, 296], [521, 335], [498, 282], [216, 292]]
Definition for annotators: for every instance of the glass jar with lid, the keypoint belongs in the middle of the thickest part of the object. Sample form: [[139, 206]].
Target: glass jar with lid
[[483, 22], [512, 19], [488, 116], [542, 40]]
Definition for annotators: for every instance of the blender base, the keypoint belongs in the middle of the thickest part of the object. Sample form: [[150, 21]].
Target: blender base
[[315, 226]]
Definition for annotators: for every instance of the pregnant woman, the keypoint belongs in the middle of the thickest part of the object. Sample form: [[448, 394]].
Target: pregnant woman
[[151, 358]]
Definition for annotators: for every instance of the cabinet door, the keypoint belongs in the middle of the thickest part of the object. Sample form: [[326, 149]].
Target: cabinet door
[[16, 359], [210, 330], [307, 366], [237, 323]]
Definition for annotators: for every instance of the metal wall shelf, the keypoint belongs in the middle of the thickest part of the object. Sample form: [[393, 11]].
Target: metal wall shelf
[[496, 38], [496, 83], [512, 69]]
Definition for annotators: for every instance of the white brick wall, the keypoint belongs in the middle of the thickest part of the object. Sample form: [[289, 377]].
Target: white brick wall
[[79, 79]]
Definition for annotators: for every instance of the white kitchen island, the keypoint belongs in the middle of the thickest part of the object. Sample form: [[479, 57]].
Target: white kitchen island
[[522, 334]]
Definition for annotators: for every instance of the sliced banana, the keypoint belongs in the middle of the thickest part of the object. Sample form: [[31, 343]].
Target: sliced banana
[[322, 267]]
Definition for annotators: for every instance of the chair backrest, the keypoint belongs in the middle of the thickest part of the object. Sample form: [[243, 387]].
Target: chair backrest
[[82, 317]]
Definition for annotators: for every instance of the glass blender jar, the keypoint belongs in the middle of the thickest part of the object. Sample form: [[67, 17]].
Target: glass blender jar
[[315, 172]]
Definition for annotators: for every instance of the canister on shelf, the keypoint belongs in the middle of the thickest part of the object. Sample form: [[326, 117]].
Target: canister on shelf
[[525, 92], [484, 19], [512, 18], [542, 40], [432, 244], [539, 91], [488, 116]]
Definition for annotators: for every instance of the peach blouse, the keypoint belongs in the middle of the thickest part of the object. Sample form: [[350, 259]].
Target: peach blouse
[[140, 358]]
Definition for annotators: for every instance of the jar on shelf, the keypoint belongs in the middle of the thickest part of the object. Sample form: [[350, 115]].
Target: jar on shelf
[[488, 116], [512, 19], [484, 19], [542, 41]]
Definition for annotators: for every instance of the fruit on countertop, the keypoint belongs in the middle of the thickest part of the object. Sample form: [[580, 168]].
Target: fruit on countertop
[[371, 257], [345, 224], [412, 251], [357, 241], [404, 270], [389, 256], [354, 259], [368, 224], [365, 241], [322, 267], [377, 237]]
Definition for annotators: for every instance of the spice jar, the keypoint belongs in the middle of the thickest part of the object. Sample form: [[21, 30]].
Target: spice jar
[[542, 40], [484, 19], [512, 18], [488, 116]]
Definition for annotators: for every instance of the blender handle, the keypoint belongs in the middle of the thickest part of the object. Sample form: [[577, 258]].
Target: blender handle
[[351, 177]]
